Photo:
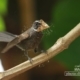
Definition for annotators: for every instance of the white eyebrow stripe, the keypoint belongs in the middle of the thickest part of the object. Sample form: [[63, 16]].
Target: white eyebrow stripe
[[34, 29]]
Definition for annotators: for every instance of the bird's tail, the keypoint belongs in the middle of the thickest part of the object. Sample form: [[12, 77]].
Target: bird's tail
[[6, 37]]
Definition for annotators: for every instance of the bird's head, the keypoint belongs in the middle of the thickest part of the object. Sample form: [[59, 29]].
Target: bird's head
[[40, 25]]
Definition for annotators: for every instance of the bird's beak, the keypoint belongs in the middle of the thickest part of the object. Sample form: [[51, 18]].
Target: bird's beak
[[43, 26]]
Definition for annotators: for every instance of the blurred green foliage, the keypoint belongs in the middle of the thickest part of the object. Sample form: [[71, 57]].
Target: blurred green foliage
[[3, 6], [3, 11], [65, 16], [2, 24]]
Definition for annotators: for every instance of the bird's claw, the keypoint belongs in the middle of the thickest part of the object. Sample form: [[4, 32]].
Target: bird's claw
[[30, 59]]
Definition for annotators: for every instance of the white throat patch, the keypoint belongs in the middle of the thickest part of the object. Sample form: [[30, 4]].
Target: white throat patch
[[34, 29]]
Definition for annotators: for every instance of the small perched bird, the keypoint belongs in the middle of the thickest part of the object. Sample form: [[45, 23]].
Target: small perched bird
[[26, 41]]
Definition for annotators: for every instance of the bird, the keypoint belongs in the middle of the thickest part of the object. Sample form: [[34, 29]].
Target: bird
[[29, 39]]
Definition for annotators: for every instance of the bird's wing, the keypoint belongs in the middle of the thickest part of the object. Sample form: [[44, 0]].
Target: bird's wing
[[15, 41], [6, 37]]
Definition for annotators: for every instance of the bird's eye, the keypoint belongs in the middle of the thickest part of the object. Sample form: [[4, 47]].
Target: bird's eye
[[37, 24]]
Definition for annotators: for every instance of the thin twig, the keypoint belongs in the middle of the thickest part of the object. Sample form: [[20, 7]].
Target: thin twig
[[61, 44]]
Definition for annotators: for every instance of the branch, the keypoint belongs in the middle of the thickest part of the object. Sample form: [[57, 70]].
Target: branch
[[61, 44]]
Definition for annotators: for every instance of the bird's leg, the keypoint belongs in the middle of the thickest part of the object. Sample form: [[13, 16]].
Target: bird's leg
[[26, 54]]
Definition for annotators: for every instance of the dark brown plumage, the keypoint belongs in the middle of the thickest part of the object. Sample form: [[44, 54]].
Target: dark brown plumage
[[29, 39]]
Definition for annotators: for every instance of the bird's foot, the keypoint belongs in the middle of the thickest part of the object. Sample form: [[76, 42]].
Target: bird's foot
[[30, 59], [26, 54]]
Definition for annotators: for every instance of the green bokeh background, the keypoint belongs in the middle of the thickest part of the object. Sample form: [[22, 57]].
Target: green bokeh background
[[3, 12], [65, 16]]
